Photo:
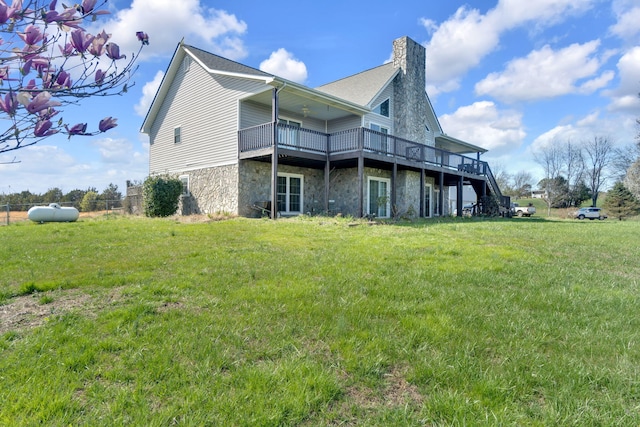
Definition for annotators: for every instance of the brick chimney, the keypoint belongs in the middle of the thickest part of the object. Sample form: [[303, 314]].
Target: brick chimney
[[409, 90]]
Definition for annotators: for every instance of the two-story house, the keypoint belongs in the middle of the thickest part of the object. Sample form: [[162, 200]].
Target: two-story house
[[251, 143]]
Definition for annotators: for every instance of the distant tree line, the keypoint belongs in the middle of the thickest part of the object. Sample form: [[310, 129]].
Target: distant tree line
[[83, 200]]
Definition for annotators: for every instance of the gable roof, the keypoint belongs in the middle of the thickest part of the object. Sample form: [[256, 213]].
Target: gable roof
[[212, 62], [362, 88]]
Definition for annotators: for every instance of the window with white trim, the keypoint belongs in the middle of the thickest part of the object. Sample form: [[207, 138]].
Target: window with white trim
[[177, 135], [382, 108], [185, 184], [290, 134], [290, 193], [428, 192], [378, 200], [379, 142]]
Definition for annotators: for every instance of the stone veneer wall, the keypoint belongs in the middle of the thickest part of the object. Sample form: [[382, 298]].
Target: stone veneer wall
[[410, 100], [344, 190], [211, 190], [236, 188], [255, 187]]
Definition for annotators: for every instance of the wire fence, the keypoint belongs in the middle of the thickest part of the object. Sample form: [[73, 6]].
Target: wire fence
[[14, 212]]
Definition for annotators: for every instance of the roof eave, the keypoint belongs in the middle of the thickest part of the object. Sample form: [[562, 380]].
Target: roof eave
[[384, 86], [470, 147], [162, 91], [317, 95]]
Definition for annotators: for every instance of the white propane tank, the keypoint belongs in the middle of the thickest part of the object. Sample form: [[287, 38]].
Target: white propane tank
[[53, 213]]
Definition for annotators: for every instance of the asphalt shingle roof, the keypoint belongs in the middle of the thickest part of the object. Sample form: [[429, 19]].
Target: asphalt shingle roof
[[216, 62], [361, 88]]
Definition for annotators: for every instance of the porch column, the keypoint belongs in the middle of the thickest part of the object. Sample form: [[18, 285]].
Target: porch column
[[360, 186], [327, 176], [441, 194], [422, 204], [274, 155], [459, 196]]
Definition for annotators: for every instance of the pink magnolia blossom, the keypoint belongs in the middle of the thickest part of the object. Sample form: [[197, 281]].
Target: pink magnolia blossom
[[32, 35], [79, 129], [97, 46], [113, 51], [67, 50], [100, 75], [67, 17], [43, 128], [143, 37], [40, 102], [38, 62], [81, 40], [87, 6], [107, 123], [9, 104], [63, 80], [4, 74], [7, 13]]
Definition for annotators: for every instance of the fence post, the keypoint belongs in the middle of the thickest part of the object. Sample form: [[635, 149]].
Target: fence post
[[8, 210]]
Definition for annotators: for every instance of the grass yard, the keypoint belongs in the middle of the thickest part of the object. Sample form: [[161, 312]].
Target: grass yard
[[316, 322]]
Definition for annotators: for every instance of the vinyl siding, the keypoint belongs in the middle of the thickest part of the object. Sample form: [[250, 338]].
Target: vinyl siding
[[344, 123], [205, 107], [387, 122]]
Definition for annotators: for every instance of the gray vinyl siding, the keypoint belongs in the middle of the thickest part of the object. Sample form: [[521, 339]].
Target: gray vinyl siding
[[387, 122], [344, 123], [254, 114], [205, 107]]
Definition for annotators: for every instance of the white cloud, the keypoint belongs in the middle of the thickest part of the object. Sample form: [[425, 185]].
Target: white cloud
[[625, 97], [617, 128], [148, 93], [46, 166], [483, 124], [167, 22], [284, 64], [628, 16], [461, 42], [547, 73]]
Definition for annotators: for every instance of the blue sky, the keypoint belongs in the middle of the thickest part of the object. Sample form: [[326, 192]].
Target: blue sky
[[508, 75]]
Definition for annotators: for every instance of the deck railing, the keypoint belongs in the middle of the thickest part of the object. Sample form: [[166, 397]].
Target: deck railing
[[354, 140]]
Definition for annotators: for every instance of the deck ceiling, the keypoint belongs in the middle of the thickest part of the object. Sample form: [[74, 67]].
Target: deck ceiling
[[304, 104]]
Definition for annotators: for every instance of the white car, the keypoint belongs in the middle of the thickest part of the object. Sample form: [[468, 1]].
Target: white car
[[590, 213]]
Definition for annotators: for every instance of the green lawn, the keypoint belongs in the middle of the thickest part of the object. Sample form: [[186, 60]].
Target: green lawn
[[317, 322]]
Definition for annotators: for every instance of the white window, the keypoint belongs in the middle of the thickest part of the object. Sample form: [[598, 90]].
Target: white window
[[379, 142], [289, 135], [185, 184], [428, 191], [436, 202], [382, 108], [378, 200], [290, 193], [177, 135]]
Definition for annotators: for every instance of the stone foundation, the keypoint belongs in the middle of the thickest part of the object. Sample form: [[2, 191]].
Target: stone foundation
[[211, 190]]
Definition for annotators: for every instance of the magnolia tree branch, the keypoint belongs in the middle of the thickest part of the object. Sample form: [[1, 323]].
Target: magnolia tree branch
[[49, 61]]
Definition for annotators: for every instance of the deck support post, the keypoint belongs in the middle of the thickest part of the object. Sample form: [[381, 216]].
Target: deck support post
[[327, 178], [459, 196], [274, 155], [360, 186], [441, 194]]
